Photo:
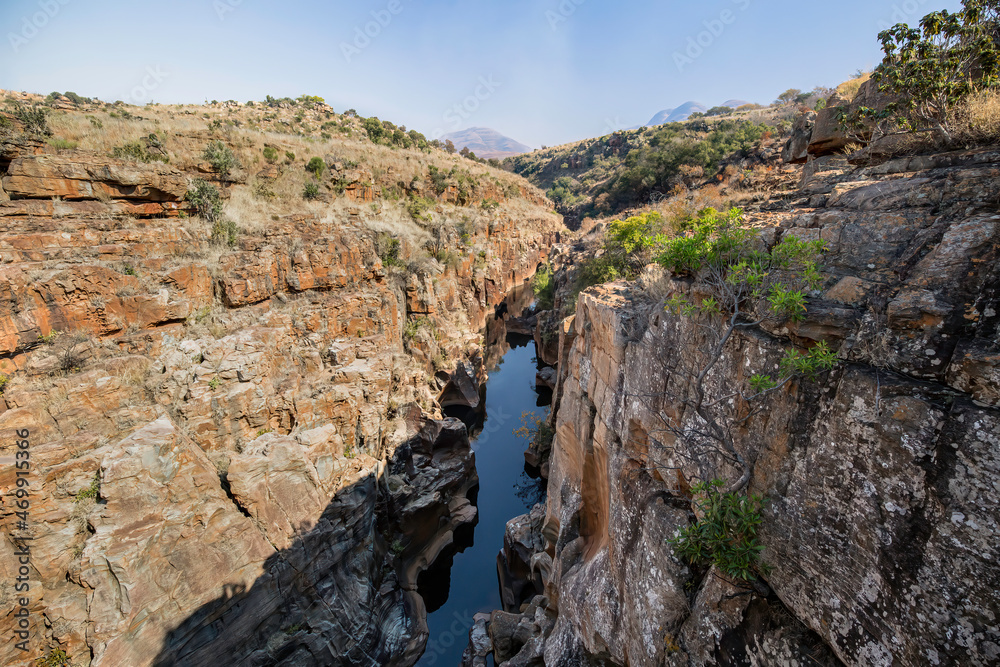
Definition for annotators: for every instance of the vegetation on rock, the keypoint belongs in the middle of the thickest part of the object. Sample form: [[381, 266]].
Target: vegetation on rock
[[725, 533]]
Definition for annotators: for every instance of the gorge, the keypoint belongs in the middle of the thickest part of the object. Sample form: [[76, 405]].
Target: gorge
[[269, 388]]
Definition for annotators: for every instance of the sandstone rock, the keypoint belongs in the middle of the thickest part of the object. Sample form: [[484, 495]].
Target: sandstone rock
[[795, 150], [84, 176]]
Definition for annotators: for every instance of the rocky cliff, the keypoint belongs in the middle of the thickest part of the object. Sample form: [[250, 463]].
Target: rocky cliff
[[880, 476], [237, 454]]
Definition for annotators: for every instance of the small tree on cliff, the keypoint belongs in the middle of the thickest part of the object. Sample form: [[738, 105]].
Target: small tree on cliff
[[928, 70], [737, 284]]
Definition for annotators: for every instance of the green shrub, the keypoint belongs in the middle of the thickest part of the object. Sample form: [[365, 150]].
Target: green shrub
[[55, 658], [35, 118], [316, 167], [4, 380], [91, 492], [310, 191], [206, 199], [725, 535], [221, 157], [225, 232], [388, 249], [270, 154], [544, 286], [138, 151], [289, 157], [419, 208]]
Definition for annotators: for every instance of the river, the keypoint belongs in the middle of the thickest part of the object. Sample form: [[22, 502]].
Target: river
[[463, 581]]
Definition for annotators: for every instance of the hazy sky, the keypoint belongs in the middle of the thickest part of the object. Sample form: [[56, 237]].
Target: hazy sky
[[540, 71]]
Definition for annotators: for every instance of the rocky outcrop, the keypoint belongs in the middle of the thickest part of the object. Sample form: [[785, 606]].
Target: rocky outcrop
[[225, 439], [882, 514], [86, 176]]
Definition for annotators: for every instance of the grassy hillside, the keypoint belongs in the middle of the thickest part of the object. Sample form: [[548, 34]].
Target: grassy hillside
[[630, 168]]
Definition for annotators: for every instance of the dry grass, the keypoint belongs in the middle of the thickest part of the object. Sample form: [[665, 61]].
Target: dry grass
[[849, 89], [977, 120]]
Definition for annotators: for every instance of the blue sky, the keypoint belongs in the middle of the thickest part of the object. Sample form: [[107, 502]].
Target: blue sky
[[542, 72]]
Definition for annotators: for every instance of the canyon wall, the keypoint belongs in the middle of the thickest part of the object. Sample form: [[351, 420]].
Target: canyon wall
[[880, 476], [236, 451]]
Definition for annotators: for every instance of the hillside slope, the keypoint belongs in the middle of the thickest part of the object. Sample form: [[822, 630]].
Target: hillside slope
[[212, 391]]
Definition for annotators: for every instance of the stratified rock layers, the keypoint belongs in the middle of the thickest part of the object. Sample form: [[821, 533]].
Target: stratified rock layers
[[881, 476]]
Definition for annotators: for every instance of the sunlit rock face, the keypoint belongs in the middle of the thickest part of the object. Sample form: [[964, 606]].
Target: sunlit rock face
[[882, 515]]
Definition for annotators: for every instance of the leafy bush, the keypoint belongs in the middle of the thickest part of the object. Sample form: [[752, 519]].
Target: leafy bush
[[375, 129], [221, 157], [4, 380], [726, 534], [544, 287], [225, 232], [92, 491], [206, 199], [310, 191], [55, 658], [419, 208], [34, 118], [928, 70], [316, 167], [741, 284], [627, 243], [535, 429], [270, 154], [388, 249], [139, 150]]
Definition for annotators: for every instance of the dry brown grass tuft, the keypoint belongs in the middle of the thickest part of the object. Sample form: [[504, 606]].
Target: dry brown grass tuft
[[849, 89], [977, 119]]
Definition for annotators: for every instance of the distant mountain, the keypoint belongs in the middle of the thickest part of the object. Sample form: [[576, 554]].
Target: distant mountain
[[683, 112], [486, 143]]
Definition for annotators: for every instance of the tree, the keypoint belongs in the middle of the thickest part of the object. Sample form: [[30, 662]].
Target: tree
[[789, 96], [928, 70], [737, 285], [375, 129], [449, 146], [316, 167], [719, 111]]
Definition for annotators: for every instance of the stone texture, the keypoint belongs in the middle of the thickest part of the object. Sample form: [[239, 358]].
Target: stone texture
[[242, 407], [883, 511]]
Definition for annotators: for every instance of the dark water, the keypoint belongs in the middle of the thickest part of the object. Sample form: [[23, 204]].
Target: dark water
[[463, 581]]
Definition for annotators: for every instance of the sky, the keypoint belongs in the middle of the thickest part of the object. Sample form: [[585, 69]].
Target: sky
[[544, 72]]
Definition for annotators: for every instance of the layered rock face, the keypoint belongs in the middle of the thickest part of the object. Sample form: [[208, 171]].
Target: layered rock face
[[882, 515], [224, 440]]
